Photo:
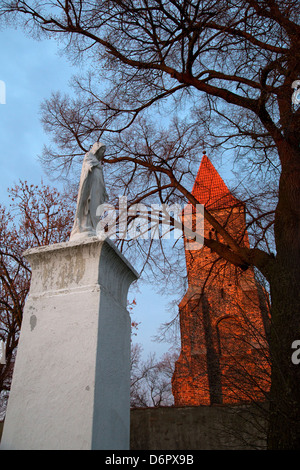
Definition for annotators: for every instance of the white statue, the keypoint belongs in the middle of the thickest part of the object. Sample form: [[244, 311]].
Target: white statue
[[91, 193]]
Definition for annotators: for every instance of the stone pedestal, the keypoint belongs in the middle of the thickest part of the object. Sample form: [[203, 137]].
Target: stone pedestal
[[71, 382]]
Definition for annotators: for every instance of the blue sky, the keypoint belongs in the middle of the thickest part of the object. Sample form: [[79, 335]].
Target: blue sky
[[31, 70]]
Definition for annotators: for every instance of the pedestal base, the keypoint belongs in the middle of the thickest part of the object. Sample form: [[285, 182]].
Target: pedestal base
[[71, 382]]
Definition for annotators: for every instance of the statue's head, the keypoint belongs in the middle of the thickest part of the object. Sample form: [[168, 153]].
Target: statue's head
[[98, 150]]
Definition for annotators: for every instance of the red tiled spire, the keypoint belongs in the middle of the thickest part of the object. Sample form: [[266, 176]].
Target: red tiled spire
[[209, 188]]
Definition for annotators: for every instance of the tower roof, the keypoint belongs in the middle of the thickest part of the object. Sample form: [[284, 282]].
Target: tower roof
[[209, 188]]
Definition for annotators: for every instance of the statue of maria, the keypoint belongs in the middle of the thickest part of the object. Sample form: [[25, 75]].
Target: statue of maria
[[91, 193]]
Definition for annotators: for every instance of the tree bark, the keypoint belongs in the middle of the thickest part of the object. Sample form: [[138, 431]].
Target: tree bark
[[284, 425]]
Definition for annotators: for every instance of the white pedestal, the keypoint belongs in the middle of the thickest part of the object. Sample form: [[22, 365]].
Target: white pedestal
[[71, 382]]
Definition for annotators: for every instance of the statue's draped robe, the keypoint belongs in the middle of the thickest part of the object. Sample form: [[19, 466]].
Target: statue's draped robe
[[91, 194]]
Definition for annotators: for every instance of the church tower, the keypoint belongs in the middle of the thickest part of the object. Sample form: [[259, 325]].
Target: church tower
[[223, 315]]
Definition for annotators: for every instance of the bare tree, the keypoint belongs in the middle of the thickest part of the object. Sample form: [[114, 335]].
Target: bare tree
[[151, 379], [235, 65], [39, 215]]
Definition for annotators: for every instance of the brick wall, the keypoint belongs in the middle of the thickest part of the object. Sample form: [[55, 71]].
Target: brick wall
[[224, 354]]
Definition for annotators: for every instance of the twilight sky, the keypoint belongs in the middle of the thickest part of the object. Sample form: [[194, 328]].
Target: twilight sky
[[31, 70]]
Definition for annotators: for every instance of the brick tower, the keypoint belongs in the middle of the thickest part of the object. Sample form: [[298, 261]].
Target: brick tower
[[223, 355]]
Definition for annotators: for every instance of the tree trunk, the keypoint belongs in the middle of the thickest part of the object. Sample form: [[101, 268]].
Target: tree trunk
[[284, 425]]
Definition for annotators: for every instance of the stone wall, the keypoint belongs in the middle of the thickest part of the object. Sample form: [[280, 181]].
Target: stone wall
[[197, 428]]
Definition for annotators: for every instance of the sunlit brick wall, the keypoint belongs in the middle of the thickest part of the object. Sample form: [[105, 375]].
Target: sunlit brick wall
[[224, 355]]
